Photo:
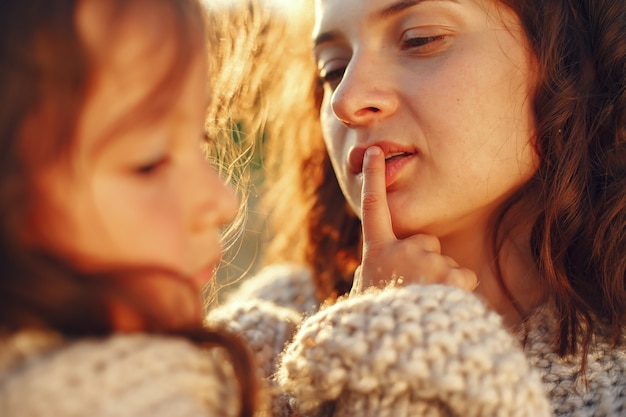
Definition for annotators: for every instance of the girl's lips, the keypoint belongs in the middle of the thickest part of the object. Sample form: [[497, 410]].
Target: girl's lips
[[205, 275]]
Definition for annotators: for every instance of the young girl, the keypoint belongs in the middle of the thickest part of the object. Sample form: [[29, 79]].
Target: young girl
[[111, 215], [482, 145]]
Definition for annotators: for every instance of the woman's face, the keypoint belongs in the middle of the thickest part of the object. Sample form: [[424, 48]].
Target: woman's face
[[444, 87], [138, 194]]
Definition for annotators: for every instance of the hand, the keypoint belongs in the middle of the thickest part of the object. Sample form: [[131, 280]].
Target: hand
[[416, 259]]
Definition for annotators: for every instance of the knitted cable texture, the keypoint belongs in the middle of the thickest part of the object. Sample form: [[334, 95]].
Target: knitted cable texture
[[266, 328], [286, 285], [602, 390], [126, 375], [419, 351]]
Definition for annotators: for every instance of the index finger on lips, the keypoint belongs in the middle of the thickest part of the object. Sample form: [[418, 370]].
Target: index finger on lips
[[375, 216]]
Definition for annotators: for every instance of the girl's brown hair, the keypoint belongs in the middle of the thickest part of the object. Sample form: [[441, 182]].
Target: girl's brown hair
[[44, 76], [578, 239]]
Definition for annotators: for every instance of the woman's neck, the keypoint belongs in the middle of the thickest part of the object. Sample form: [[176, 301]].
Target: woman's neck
[[514, 267]]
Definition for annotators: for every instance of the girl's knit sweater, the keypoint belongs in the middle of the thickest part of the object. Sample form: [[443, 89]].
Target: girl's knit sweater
[[43, 374], [414, 351]]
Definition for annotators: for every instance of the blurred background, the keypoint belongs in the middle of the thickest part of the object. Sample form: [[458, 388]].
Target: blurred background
[[271, 41]]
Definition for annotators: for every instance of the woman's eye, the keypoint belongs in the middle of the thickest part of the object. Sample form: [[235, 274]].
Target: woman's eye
[[422, 43], [208, 139], [332, 78], [152, 167]]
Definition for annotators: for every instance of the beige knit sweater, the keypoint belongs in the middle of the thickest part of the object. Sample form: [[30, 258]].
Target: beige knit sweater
[[41, 374], [266, 311], [416, 351]]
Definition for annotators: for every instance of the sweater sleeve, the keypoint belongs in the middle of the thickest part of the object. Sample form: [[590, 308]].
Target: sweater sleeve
[[266, 328], [265, 311], [419, 350]]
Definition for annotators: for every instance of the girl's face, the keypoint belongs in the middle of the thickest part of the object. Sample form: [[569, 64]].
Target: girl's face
[[138, 194], [444, 87]]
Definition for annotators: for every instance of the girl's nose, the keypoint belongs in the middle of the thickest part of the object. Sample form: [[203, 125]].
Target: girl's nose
[[216, 203], [226, 201]]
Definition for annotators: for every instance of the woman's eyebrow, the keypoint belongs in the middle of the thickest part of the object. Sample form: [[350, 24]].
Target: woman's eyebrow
[[399, 6], [396, 8], [384, 13]]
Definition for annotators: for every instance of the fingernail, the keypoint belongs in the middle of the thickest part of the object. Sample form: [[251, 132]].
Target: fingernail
[[373, 151]]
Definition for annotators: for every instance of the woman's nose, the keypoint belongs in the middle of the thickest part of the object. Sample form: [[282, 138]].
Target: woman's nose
[[364, 94]]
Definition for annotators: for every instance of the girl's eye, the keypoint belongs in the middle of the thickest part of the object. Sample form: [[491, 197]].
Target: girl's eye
[[422, 44], [332, 78], [152, 167]]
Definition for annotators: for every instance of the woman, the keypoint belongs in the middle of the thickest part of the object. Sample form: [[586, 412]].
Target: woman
[[502, 130]]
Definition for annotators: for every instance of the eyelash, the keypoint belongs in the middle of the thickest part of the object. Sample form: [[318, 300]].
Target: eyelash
[[152, 167], [333, 77], [419, 42]]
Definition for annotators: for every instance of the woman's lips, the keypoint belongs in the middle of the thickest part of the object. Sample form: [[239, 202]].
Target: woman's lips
[[394, 165], [396, 157]]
